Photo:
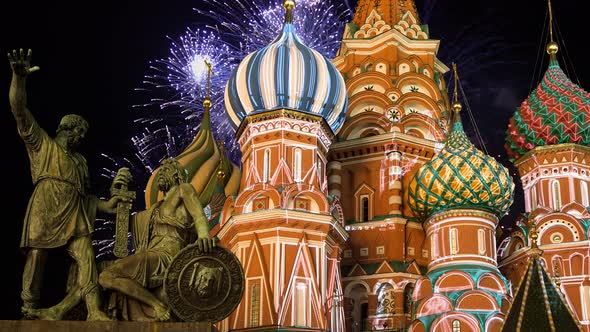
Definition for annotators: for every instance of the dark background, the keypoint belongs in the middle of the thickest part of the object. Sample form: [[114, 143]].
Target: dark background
[[93, 55]]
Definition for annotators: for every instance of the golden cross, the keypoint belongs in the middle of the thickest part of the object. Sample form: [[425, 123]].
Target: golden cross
[[209, 73]]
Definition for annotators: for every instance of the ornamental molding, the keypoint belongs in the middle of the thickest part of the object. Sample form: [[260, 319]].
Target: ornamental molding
[[285, 119], [538, 151], [454, 213]]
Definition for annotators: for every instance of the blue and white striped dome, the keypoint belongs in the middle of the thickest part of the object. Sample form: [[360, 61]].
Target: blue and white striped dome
[[287, 74]]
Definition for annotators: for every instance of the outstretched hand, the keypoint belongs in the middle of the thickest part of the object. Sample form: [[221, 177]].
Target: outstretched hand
[[206, 244], [21, 63]]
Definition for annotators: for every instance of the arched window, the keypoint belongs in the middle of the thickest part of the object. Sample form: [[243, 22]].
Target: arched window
[[320, 173], [297, 165], [456, 325], [584, 186], [266, 166], [254, 305], [556, 195], [365, 208]]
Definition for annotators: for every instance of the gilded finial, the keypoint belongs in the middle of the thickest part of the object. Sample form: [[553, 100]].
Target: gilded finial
[[552, 47], [207, 102], [534, 251], [534, 234], [289, 6], [457, 107]]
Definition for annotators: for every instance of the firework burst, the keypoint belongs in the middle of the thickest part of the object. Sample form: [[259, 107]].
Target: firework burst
[[175, 86], [235, 29]]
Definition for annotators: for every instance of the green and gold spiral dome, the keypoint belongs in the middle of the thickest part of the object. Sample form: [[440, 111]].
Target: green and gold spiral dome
[[460, 176]]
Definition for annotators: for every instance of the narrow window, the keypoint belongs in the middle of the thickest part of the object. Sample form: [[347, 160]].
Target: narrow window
[[297, 165], [481, 244], [365, 208], [453, 239], [266, 165], [255, 306], [556, 196], [533, 198], [584, 186], [433, 246], [300, 306], [456, 325]]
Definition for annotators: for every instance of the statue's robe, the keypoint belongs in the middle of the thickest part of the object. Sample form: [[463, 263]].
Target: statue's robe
[[156, 240], [59, 207]]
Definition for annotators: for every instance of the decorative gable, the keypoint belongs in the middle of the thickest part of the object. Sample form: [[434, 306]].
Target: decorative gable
[[374, 25], [408, 26]]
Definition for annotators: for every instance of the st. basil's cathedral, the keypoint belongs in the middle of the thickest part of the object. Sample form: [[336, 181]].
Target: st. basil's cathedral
[[360, 203]]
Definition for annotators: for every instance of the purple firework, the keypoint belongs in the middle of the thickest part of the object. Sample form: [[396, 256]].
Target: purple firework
[[176, 85], [236, 29]]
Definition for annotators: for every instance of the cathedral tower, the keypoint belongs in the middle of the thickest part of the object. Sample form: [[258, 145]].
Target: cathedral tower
[[460, 194], [286, 100], [548, 140], [397, 120]]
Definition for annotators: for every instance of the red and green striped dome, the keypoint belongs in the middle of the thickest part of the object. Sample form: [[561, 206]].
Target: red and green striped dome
[[556, 112]]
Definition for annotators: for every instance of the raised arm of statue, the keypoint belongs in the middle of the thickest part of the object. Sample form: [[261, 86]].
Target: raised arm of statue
[[194, 207], [21, 68]]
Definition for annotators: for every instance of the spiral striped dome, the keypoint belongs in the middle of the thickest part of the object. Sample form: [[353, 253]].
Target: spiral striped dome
[[556, 112], [460, 176], [202, 160], [286, 74]]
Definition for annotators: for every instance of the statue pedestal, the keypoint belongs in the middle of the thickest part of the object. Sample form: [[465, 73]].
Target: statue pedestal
[[81, 326]]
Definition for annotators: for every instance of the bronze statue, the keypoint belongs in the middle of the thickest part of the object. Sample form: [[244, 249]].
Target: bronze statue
[[159, 233], [61, 211]]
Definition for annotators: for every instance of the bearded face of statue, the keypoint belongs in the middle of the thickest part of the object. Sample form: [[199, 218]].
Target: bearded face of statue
[[166, 178]]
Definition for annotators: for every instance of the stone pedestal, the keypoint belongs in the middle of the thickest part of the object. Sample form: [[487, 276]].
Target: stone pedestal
[[80, 326]]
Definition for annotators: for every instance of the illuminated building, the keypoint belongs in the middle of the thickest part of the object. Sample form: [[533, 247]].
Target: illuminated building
[[364, 206], [547, 140]]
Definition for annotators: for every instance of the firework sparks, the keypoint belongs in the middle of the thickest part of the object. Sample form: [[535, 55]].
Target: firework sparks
[[174, 116], [175, 86]]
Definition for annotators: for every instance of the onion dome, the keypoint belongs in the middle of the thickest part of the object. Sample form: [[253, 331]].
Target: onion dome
[[207, 167], [460, 176], [556, 112], [287, 75]]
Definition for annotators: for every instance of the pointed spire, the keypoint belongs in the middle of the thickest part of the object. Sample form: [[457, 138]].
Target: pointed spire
[[552, 47], [538, 304], [289, 6], [390, 11]]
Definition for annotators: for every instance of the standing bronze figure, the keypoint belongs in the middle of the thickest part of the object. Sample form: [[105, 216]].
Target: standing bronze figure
[[61, 210]]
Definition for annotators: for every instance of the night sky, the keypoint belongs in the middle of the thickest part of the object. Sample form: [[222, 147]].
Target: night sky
[[93, 55]]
